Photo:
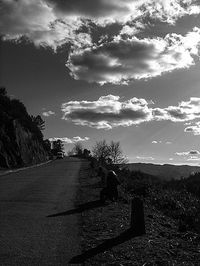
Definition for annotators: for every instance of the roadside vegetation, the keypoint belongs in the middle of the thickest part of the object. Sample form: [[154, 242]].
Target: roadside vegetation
[[172, 215]]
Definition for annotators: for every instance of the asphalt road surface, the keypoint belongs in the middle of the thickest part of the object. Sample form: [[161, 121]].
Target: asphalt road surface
[[27, 235]]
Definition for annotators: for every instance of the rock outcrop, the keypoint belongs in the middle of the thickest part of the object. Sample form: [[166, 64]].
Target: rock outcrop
[[19, 148], [21, 141]]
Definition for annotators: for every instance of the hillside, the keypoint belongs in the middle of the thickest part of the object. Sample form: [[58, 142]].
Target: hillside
[[170, 239], [166, 171], [21, 140]]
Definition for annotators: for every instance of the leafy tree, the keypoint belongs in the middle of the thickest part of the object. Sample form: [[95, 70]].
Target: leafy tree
[[47, 145], [39, 122], [58, 146], [3, 91], [86, 153]]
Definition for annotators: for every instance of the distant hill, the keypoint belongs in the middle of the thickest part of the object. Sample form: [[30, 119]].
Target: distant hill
[[165, 171]]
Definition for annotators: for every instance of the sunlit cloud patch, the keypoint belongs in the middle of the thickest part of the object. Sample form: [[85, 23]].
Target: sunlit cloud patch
[[48, 113], [107, 112], [53, 23], [111, 111], [123, 60], [193, 155], [73, 140]]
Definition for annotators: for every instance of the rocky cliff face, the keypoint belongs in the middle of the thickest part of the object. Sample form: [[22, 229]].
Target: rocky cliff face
[[19, 146]]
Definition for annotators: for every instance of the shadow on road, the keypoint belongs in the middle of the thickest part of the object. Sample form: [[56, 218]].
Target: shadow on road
[[83, 207], [125, 236]]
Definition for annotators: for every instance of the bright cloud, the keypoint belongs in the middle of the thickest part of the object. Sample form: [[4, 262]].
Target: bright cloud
[[110, 111], [185, 111], [185, 153], [107, 112], [70, 140], [145, 158], [169, 10], [48, 113], [37, 21], [160, 141], [123, 60], [124, 57], [54, 22], [194, 129]]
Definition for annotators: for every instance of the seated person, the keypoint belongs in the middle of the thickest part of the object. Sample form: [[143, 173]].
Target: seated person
[[110, 191]]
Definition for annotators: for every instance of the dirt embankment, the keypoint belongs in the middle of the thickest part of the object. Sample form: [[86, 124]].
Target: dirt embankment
[[100, 225]]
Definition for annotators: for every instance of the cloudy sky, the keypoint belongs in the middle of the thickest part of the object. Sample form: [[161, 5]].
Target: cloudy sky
[[122, 70]]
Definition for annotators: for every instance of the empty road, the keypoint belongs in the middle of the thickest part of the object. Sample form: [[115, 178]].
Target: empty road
[[27, 235]]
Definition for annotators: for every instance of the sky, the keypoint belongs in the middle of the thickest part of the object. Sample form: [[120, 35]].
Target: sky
[[122, 70]]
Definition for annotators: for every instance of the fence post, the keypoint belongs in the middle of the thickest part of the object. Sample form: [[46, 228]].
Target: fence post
[[137, 216]]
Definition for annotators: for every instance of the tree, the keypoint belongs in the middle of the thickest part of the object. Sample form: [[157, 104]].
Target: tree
[[110, 154], [86, 153], [47, 146], [78, 149], [3, 91], [39, 122], [101, 151], [58, 146], [116, 154]]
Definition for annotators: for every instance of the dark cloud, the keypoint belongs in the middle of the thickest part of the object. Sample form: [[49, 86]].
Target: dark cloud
[[91, 8]]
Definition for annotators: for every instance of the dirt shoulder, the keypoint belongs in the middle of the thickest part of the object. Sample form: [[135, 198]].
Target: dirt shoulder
[[161, 245]]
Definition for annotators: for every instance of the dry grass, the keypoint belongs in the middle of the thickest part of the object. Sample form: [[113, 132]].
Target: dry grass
[[162, 245]]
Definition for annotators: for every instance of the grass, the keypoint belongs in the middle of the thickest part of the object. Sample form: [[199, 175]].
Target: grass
[[163, 244]]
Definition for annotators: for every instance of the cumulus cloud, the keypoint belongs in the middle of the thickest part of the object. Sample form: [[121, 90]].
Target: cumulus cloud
[[70, 140], [123, 60], [193, 158], [186, 153], [185, 111], [145, 158], [169, 10], [160, 141], [110, 111], [156, 141], [48, 113], [54, 22], [107, 112], [38, 21], [194, 129]]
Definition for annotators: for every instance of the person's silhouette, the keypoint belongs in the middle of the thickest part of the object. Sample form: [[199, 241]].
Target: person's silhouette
[[110, 191]]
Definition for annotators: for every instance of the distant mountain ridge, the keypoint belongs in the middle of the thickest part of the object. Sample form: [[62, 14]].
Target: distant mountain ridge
[[165, 171]]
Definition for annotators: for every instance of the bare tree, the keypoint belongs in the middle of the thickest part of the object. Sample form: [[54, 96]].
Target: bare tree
[[101, 151], [78, 148], [111, 153], [116, 154]]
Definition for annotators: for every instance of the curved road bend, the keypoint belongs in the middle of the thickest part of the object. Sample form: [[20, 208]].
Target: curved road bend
[[27, 236]]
